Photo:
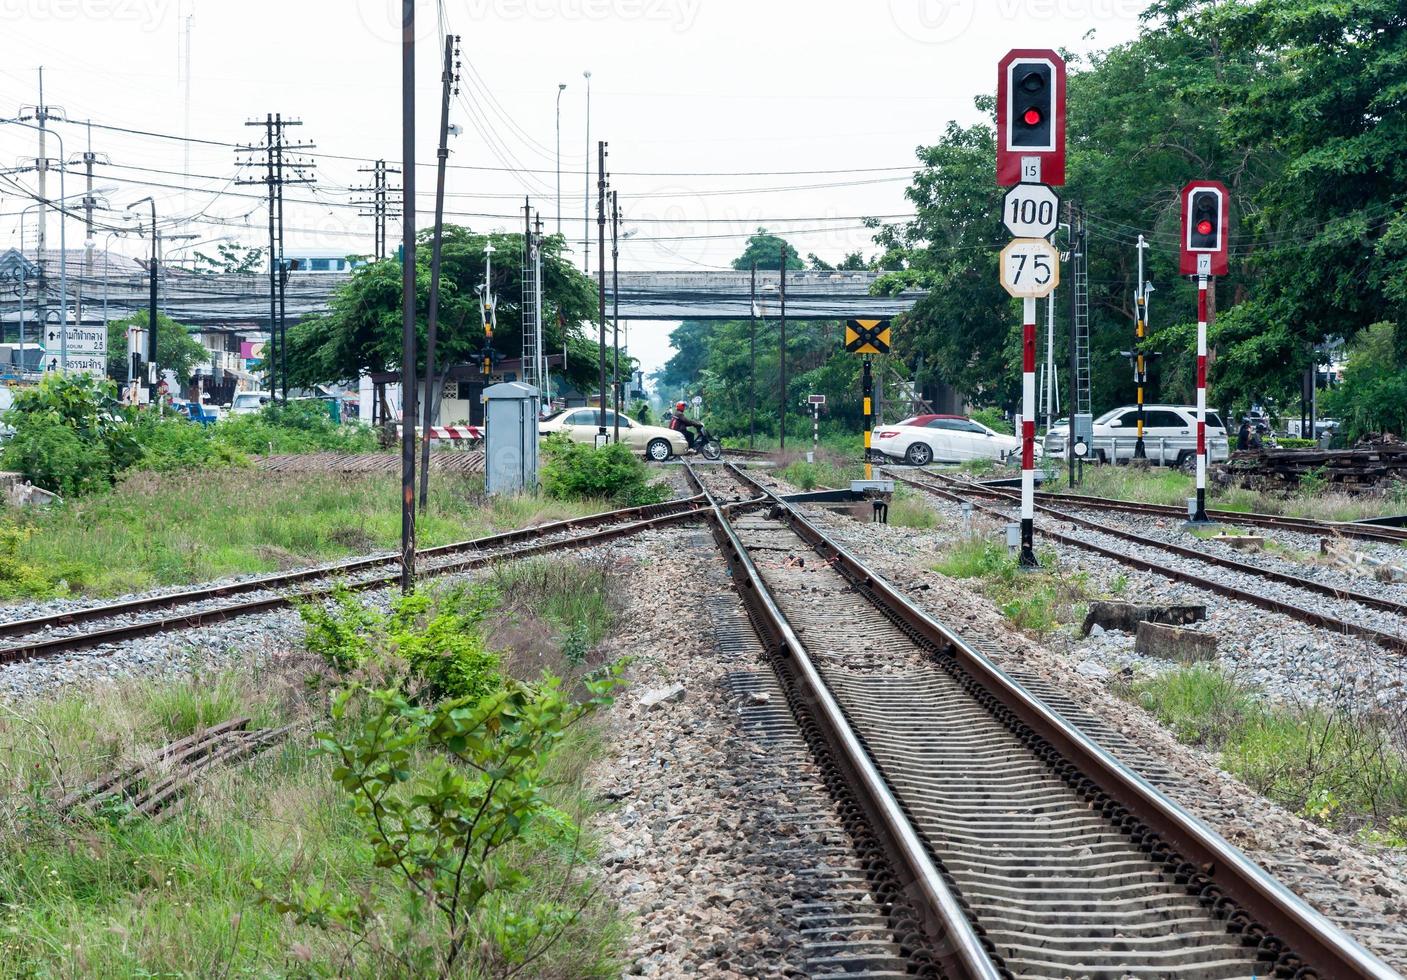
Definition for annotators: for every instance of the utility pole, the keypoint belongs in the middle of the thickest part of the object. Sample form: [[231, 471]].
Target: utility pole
[[561, 87], [408, 296], [544, 376], [273, 149], [782, 354], [41, 114], [601, 280], [88, 158], [449, 85], [152, 300], [615, 300], [586, 200], [752, 364], [379, 207]]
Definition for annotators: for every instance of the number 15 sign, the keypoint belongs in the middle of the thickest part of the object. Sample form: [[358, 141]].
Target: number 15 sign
[[1030, 268]]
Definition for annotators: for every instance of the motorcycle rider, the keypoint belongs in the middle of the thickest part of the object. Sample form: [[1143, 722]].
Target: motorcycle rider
[[680, 422]]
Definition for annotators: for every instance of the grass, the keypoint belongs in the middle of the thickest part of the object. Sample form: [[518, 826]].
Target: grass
[[574, 600], [1161, 485], [828, 472], [93, 896], [177, 528], [909, 509], [1039, 600], [1341, 768]]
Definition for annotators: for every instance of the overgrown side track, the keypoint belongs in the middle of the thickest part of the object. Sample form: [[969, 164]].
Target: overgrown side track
[[50, 635], [1302, 525], [959, 492], [1069, 862]]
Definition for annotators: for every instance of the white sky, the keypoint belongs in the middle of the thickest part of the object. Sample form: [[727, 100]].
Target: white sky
[[679, 87]]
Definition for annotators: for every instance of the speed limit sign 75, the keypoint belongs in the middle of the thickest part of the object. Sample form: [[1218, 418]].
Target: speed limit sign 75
[[1030, 268]]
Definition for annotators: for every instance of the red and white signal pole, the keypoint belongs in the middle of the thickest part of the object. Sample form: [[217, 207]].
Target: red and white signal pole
[[1028, 432], [1031, 161], [1200, 516], [1206, 215]]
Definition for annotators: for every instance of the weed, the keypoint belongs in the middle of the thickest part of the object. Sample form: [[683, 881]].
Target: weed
[[1038, 600], [1336, 766]]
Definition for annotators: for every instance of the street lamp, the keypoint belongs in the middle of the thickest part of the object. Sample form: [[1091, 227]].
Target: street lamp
[[63, 242], [151, 320], [561, 87], [106, 280], [586, 202]]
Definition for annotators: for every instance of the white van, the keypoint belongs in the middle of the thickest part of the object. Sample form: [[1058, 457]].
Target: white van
[[1169, 435]]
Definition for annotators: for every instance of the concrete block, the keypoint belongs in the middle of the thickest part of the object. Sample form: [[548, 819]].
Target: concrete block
[[1173, 643], [661, 695]]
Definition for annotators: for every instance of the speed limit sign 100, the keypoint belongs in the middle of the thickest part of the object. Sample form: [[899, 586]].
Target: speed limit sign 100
[[1030, 268]]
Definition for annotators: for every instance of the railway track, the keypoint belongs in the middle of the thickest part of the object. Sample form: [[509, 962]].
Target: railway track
[[1002, 841], [1302, 525], [76, 629], [1138, 556]]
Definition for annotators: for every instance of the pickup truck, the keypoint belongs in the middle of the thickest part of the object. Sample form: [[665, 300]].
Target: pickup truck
[[1169, 435]]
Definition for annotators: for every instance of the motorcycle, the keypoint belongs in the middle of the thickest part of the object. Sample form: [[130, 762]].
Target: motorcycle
[[707, 446]]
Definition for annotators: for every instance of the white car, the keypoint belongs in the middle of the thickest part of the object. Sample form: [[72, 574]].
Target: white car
[[945, 438], [1169, 435], [582, 424], [248, 402]]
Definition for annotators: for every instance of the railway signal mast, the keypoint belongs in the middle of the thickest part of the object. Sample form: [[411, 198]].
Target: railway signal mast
[[1206, 215], [1031, 161]]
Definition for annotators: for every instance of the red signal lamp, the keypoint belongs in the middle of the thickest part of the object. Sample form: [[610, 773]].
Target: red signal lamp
[[1032, 117], [1204, 227]]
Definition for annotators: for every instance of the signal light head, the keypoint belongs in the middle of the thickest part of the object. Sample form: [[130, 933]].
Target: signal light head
[[1031, 109]]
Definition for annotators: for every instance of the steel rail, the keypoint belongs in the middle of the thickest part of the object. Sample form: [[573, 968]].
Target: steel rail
[[1391, 641], [50, 646], [21, 627], [948, 929], [1219, 874], [1303, 525], [1245, 568]]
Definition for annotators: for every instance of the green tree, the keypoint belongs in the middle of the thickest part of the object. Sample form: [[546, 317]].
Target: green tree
[[1372, 396], [766, 250], [362, 329], [176, 350], [230, 257]]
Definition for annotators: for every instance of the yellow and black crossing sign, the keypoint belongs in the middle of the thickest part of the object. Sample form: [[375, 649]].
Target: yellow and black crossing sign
[[867, 336]]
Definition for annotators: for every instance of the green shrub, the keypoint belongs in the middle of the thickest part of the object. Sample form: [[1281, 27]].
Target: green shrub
[[172, 442], [69, 435], [441, 794], [993, 419], [439, 638], [576, 471], [297, 427]]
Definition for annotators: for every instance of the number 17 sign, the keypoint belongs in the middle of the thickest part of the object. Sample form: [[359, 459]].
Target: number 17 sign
[[1030, 268]]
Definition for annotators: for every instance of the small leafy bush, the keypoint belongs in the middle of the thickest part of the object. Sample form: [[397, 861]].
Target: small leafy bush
[[576, 471], [439, 639], [441, 794]]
